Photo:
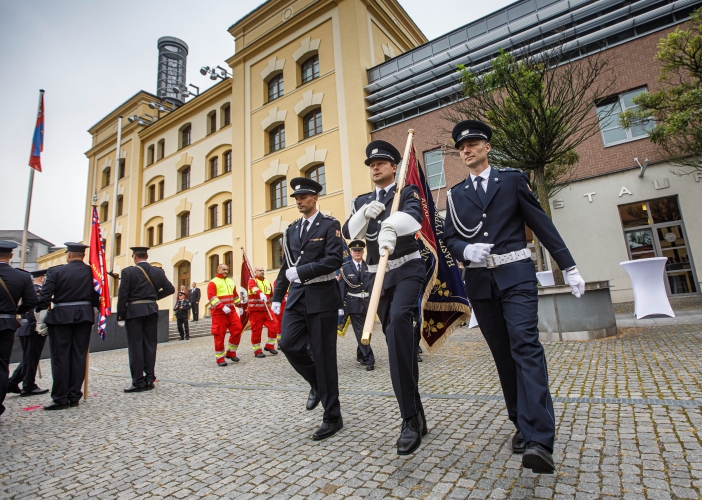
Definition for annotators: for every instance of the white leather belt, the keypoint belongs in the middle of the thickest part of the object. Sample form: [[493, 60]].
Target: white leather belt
[[493, 261], [318, 279], [360, 295], [395, 263]]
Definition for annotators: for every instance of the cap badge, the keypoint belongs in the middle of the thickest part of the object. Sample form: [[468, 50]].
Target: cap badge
[[374, 151], [297, 188], [465, 132]]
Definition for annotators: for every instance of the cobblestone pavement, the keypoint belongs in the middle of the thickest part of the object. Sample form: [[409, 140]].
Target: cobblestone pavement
[[627, 409]]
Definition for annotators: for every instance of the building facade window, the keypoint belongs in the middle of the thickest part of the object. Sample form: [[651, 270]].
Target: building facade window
[[161, 149], [106, 177], [159, 234], [655, 228], [275, 87], [185, 225], [213, 216], [212, 124], [150, 236], [184, 270], [185, 179], [279, 194], [276, 138], [227, 215], [214, 167], [120, 205], [228, 259], [608, 112], [227, 162], [122, 168], [226, 115], [434, 164], [161, 190], [185, 136], [104, 211], [310, 69], [150, 155], [152, 193], [312, 123], [118, 244], [277, 252], [214, 264], [317, 174]]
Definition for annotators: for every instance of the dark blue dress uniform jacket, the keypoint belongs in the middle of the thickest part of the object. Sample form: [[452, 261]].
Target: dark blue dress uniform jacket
[[321, 253], [133, 286], [72, 282], [29, 321], [20, 285], [362, 282], [410, 204], [510, 205]]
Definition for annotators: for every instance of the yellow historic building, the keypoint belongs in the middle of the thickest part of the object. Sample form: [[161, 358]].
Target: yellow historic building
[[212, 175]]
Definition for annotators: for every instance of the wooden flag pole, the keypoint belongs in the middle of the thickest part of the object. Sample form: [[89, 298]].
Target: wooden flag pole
[[383, 264]]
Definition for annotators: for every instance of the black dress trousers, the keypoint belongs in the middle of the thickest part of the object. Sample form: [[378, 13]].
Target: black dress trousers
[[7, 338], [509, 322], [142, 337], [319, 369], [69, 348], [183, 328], [363, 352], [397, 310], [26, 371]]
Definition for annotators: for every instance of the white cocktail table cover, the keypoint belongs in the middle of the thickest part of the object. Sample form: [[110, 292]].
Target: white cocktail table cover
[[648, 282]]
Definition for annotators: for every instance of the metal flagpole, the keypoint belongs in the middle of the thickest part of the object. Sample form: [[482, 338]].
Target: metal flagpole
[[114, 196], [23, 254]]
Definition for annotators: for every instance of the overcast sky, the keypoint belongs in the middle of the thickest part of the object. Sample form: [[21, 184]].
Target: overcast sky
[[90, 56]]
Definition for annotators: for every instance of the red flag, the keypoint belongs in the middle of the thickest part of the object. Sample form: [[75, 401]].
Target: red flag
[[38, 138], [244, 283], [97, 264]]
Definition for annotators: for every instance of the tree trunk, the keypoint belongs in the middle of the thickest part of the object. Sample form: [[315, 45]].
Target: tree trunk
[[542, 196], [539, 254]]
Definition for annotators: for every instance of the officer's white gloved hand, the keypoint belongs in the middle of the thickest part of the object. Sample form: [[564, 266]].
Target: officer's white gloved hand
[[121, 323], [275, 307], [373, 209], [41, 316], [291, 274], [240, 311], [576, 282], [263, 296], [341, 312], [477, 252], [226, 310], [42, 329], [387, 238]]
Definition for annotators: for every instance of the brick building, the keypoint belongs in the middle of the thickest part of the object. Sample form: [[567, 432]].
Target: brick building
[[613, 211]]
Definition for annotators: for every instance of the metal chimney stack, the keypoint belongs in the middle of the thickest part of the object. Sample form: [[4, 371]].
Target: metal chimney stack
[[172, 61]]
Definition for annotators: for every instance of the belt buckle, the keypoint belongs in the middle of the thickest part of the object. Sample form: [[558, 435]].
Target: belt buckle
[[490, 262]]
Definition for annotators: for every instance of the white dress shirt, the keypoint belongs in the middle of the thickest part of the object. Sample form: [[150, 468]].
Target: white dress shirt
[[311, 219], [485, 174], [387, 190]]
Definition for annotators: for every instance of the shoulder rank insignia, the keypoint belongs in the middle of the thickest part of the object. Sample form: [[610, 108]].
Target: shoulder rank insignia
[[415, 195], [338, 234]]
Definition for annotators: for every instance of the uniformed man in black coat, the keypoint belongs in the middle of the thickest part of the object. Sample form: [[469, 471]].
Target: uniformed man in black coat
[[485, 229], [32, 342], [404, 281], [17, 296], [70, 321], [356, 284], [140, 287], [313, 253]]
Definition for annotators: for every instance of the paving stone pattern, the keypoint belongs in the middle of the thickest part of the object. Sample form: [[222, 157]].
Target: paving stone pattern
[[242, 431]]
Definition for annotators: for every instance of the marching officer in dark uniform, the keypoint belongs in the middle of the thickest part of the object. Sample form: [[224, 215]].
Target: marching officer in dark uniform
[[17, 296], [70, 321], [313, 253], [32, 345], [485, 229], [356, 284], [140, 287], [404, 281]]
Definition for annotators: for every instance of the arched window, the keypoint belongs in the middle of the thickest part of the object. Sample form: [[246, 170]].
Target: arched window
[[279, 193], [185, 135], [276, 139], [275, 87], [213, 216], [104, 211], [226, 115], [212, 122], [214, 264], [184, 225], [228, 257], [159, 234], [310, 69], [106, 177], [152, 193], [120, 205], [118, 244], [161, 151], [317, 174], [227, 215], [185, 179], [277, 252], [214, 167], [312, 123], [150, 236], [227, 162], [150, 155], [161, 190], [122, 168]]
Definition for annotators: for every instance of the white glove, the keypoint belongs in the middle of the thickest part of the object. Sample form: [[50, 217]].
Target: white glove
[[291, 274], [226, 310], [42, 329], [263, 296], [240, 311], [373, 209], [576, 282], [275, 307], [387, 238], [41, 316], [121, 323], [477, 252], [341, 312]]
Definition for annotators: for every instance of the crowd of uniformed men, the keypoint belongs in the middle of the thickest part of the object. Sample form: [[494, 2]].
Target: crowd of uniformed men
[[484, 230]]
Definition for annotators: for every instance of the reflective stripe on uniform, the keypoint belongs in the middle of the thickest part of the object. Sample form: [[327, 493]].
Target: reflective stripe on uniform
[[219, 354]]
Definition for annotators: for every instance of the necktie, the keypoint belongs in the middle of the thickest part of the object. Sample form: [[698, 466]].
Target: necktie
[[381, 195], [360, 273], [303, 233], [479, 189]]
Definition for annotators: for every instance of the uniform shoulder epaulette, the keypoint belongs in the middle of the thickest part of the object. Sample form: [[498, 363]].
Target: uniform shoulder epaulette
[[328, 217], [510, 169], [295, 221], [459, 183]]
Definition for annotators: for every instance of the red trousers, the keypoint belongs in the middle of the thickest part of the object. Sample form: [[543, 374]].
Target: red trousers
[[220, 324], [258, 320]]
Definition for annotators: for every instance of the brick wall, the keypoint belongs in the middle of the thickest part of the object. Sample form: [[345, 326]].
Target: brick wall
[[635, 65]]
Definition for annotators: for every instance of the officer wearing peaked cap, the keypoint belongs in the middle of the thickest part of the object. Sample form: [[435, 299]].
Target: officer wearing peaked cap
[[140, 286], [404, 282], [313, 252], [70, 288], [17, 296], [485, 229]]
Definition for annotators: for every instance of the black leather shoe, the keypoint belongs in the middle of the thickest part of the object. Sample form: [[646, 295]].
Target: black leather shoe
[[419, 349], [410, 437], [312, 399], [370, 367], [181, 338], [518, 444], [132, 388], [538, 459], [419, 358], [149, 386], [13, 389], [327, 429], [73, 404], [271, 351], [56, 406], [260, 355], [33, 392]]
